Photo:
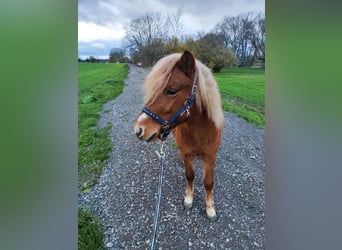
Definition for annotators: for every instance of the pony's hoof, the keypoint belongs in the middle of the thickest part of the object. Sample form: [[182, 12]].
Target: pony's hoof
[[211, 214], [213, 219], [188, 202], [187, 206]]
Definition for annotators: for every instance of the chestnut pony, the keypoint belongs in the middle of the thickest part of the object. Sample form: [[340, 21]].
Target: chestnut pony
[[182, 96]]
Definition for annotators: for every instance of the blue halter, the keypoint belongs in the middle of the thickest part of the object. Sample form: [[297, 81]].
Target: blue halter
[[166, 125]]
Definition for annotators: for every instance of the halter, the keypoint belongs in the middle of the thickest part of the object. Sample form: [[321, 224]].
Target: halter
[[166, 125]]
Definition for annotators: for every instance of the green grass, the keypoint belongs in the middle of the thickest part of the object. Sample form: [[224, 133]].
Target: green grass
[[243, 93], [90, 236], [97, 84]]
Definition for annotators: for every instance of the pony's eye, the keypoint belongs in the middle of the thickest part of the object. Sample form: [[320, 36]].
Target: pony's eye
[[172, 92]]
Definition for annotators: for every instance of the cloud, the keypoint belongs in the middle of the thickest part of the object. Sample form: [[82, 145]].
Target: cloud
[[197, 14], [88, 32], [103, 21], [99, 48], [98, 45]]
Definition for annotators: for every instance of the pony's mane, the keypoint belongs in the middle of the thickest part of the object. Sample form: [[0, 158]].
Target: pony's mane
[[208, 98]]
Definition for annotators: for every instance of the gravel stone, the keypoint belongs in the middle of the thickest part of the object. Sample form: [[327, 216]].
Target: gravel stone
[[124, 198]]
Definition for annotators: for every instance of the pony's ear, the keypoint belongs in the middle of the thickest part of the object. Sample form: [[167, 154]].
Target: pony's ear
[[187, 63]]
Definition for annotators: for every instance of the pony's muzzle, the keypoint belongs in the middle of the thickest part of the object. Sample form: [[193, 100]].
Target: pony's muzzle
[[139, 132], [145, 128]]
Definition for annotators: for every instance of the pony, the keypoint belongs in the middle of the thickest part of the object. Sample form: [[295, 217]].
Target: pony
[[181, 96]]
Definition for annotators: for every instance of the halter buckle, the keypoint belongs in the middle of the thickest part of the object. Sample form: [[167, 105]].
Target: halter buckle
[[166, 125], [166, 131], [188, 114], [194, 88]]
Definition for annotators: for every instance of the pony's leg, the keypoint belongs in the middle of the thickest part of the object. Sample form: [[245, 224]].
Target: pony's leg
[[190, 175], [208, 181]]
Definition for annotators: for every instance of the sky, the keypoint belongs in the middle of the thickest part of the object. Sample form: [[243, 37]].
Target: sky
[[101, 22]]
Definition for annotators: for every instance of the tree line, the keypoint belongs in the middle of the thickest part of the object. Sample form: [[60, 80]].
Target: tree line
[[234, 41]]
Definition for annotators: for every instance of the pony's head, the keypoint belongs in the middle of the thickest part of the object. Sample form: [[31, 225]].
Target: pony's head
[[167, 87]]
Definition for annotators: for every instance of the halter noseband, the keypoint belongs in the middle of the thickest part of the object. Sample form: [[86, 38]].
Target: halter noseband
[[166, 125]]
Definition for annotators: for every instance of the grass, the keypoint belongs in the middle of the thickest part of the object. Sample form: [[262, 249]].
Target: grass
[[97, 84], [90, 235], [243, 93]]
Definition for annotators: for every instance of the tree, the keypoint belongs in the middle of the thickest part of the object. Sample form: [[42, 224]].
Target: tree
[[175, 25], [147, 35], [245, 35], [258, 36], [91, 59], [117, 56], [144, 30], [149, 53], [174, 45], [230, 29]]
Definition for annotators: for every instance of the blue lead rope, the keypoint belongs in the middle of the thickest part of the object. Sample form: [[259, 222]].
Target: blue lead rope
[[166, 129], [157, 213]]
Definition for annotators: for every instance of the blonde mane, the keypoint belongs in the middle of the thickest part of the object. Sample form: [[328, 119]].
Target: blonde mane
[[208, 98]]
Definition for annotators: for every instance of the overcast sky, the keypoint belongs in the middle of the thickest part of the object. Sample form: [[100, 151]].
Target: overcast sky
[[100, 22]]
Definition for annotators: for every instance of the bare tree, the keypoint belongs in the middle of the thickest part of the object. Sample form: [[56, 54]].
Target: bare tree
[[258, 36], [149, 53], [230, 29], [245, 35], [175, 25], [144, 30], [146, 36]]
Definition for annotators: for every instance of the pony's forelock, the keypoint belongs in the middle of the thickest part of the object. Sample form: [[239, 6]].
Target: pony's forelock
[[156, 81], [207, 98]]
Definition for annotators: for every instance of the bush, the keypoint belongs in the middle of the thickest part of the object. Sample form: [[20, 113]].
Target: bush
[[211, 50], [221, 57]]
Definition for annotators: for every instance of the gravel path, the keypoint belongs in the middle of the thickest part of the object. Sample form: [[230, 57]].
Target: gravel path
[[125, 197]]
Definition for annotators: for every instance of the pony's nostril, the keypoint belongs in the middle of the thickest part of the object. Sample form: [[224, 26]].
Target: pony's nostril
[[139, 133]]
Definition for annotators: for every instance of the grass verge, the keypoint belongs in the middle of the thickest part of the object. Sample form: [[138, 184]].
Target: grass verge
[[90, 236], [97, 84], [243, 93]]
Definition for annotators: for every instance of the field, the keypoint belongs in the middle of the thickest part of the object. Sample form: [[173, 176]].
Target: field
[[243, 93]]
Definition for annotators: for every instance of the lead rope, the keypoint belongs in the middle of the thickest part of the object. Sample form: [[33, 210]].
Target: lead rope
[[161, 155]]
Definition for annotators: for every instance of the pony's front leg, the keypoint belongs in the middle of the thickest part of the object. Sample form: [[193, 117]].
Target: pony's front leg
[[208, 181], [190, 175]]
